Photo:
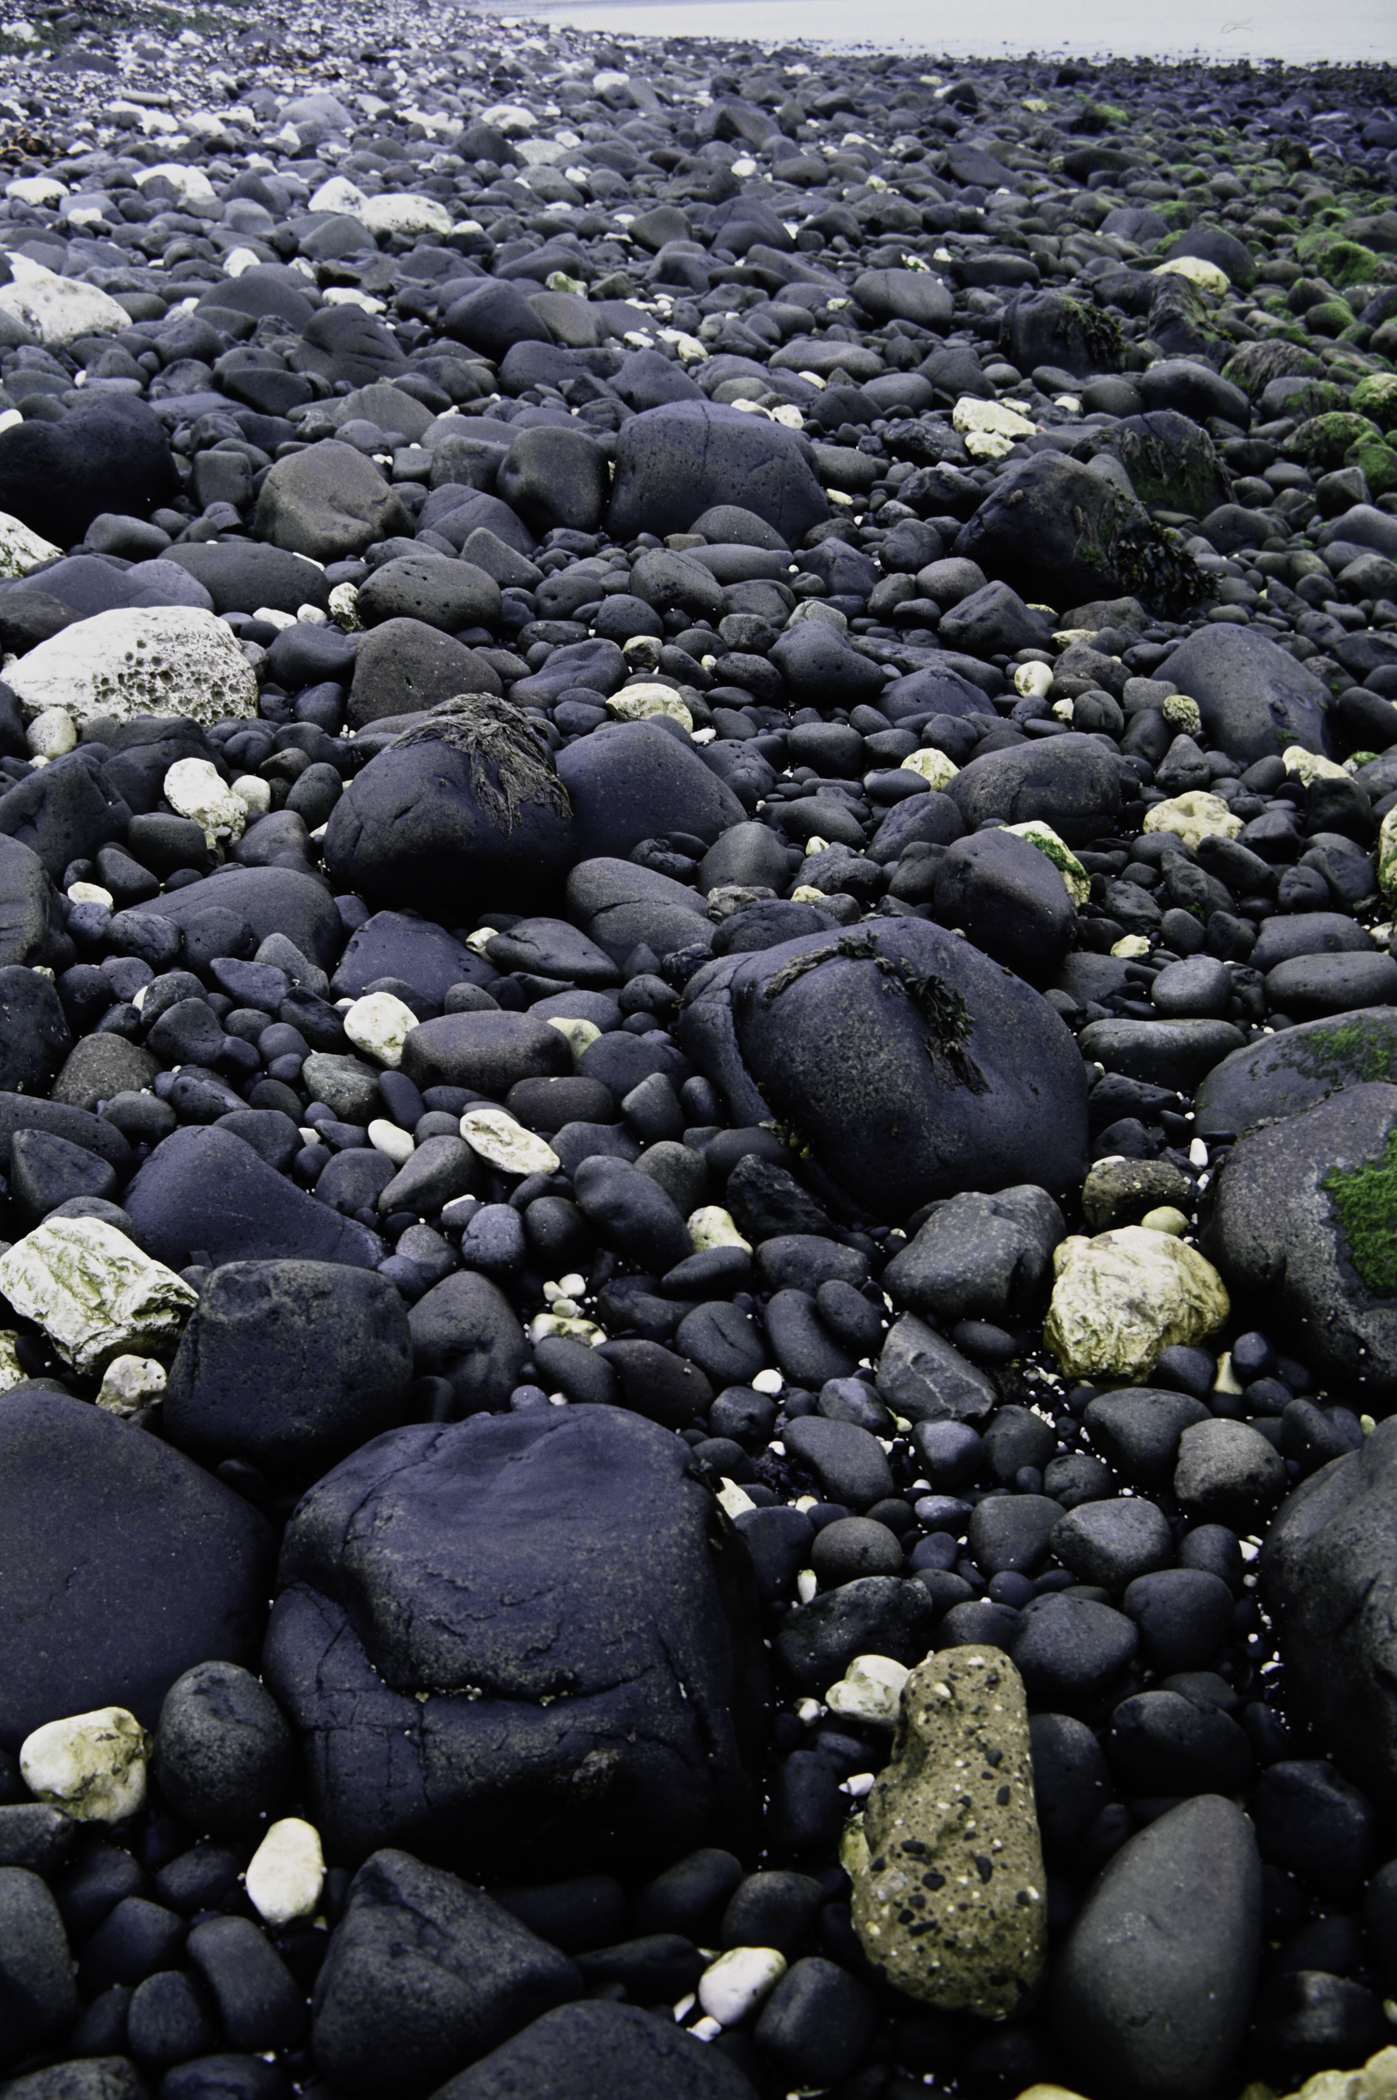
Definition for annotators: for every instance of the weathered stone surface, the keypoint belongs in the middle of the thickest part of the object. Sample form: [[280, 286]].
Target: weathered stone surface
[[141, 660], [969, 1867], [1123, 1297], [1302, 1223], [94, 1293]]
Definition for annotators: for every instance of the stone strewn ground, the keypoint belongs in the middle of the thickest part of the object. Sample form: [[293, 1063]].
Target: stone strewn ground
[[697, 1095]]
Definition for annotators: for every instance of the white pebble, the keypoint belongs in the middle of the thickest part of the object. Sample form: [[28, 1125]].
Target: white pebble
[[90, 893], [768, 1382], [393, 1143], [380, 1024], [92, 1765], [51, 733], [256, 793], [286, 1872], [130, 1383], [869, 1691], [193, 788], [738, 1981]]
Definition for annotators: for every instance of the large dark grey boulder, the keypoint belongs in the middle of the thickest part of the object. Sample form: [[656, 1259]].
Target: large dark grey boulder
[[632, 781], [911, 1065], [1153, 1991], [463, 808], [522, 1643], [1329, 1578], [1283, 1075], [204, 1191], [1071, 783], [673, 463], [423, 1975], [1062, 535], [289, 1363], [270, 900], [598, 2051], [1254, 698], [979, 1257], [1302, 1223], [122, 1563]]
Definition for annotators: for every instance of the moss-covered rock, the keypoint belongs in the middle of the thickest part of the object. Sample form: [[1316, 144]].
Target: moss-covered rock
[[1255, 365], [1342, 262], [1324, 442]]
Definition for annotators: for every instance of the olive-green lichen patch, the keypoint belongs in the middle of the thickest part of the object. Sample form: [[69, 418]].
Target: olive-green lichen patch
[[1355, 1054], [1365, 1204]]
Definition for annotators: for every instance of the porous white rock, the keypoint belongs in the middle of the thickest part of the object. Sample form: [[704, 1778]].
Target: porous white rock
[[91, 1765], [194, 788], [130, 1383], [736, 1983], [379, 1024], [287, 1872], [1122, 1297], [94, 1292], [57, 310], [1193, 816], [138, 660], [503, 1143]]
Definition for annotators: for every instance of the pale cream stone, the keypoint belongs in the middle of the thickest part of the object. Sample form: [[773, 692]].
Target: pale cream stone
[[93, 1765], [51, 733], [286, 1873], [715, 1227], [870, 1690], [194, 788], [506, 1144], [637, 703], [1123, 1297], [394, 1143], [933, 765], [736, 1983], [1193, 816], [577, 1034], [57, 310], [130, 1383], [380, 1023]]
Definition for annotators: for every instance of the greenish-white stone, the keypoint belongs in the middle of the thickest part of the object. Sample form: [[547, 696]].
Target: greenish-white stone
[[1123, 1297], [94, 1293]]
